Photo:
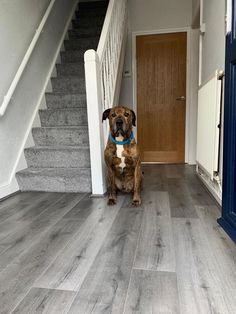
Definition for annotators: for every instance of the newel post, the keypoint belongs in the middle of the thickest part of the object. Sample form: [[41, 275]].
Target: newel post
[[95, 128]]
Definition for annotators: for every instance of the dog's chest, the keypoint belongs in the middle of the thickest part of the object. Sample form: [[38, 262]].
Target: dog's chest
[[119, 152]]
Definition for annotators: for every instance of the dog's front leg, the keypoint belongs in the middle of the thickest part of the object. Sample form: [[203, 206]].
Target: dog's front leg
[[112, 187], [137, 185]]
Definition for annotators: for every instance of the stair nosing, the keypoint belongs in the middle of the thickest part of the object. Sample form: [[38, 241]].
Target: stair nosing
[[63, 147], [65, 75], [70, 63], [85, 17], [82, 39], [50, 168], [62, 109], [59, 127], [65, 94], [90, 28], [69, 76], [65, 108]]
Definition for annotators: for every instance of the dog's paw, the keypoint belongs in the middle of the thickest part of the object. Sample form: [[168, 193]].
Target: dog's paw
[[111, 201], [136, 203]]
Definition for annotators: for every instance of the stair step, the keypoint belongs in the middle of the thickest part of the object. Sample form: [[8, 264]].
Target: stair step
[[55, 179], [93, 4], [70, 69], [91, 12], [63, 117], [88, 21], [81, 43], [61, 136], [62, 101], [72, 56], [57, 157], [84, 32], [68, 84]]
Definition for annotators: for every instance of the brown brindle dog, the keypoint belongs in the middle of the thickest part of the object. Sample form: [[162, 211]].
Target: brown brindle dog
[[122, 155]]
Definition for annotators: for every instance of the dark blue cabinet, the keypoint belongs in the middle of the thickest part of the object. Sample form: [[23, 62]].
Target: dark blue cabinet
[[228, 219]]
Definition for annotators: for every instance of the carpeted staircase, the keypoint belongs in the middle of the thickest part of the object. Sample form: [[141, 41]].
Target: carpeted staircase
[[59, 161]]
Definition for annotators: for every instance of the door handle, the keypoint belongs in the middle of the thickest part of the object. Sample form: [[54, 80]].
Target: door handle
[[181, 98]]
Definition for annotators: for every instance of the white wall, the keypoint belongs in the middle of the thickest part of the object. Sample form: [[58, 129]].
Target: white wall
[[194, 70], [213, 41], [150, 16], [195, 13], [212, 57], [18, 22], [154, 15]]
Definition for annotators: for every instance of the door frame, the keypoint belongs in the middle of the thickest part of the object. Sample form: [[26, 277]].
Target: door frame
[[186, 30], [228, 215]]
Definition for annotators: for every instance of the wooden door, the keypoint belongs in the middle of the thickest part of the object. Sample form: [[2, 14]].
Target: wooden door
[[161, 93]]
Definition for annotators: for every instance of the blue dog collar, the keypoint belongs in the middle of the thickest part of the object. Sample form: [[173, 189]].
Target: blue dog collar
[[127, 141]]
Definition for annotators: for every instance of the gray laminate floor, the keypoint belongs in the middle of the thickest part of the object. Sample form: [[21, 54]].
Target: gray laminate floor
[[69, 253]]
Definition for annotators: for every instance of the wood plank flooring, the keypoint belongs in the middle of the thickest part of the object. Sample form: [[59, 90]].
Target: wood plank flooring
[[70, 253]]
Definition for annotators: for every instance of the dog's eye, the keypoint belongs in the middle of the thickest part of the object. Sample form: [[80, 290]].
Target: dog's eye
[[113, 115], [126, 114]]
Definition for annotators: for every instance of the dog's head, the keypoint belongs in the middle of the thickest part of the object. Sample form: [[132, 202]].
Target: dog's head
[[121, 120]]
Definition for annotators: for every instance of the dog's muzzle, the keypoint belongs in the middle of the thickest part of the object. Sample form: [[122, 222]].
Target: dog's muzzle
[[119, 126]]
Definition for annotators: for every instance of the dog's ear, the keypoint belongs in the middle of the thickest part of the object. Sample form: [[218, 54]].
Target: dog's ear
[[106, 114], [133, 118]]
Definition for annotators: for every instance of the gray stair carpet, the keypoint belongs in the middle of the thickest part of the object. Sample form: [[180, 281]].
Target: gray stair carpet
[[60, 161]]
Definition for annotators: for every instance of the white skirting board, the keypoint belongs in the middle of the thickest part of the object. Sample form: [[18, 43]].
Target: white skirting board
[[214, 187]]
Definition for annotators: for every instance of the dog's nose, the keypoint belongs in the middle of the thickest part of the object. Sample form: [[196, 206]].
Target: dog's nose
[[119, 122]]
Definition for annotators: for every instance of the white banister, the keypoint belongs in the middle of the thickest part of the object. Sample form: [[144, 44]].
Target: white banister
[[103, 69], [105, 29], [25, 60], [92, 70]]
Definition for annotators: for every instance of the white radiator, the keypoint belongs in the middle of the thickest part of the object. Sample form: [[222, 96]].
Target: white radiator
[[208, 132]]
